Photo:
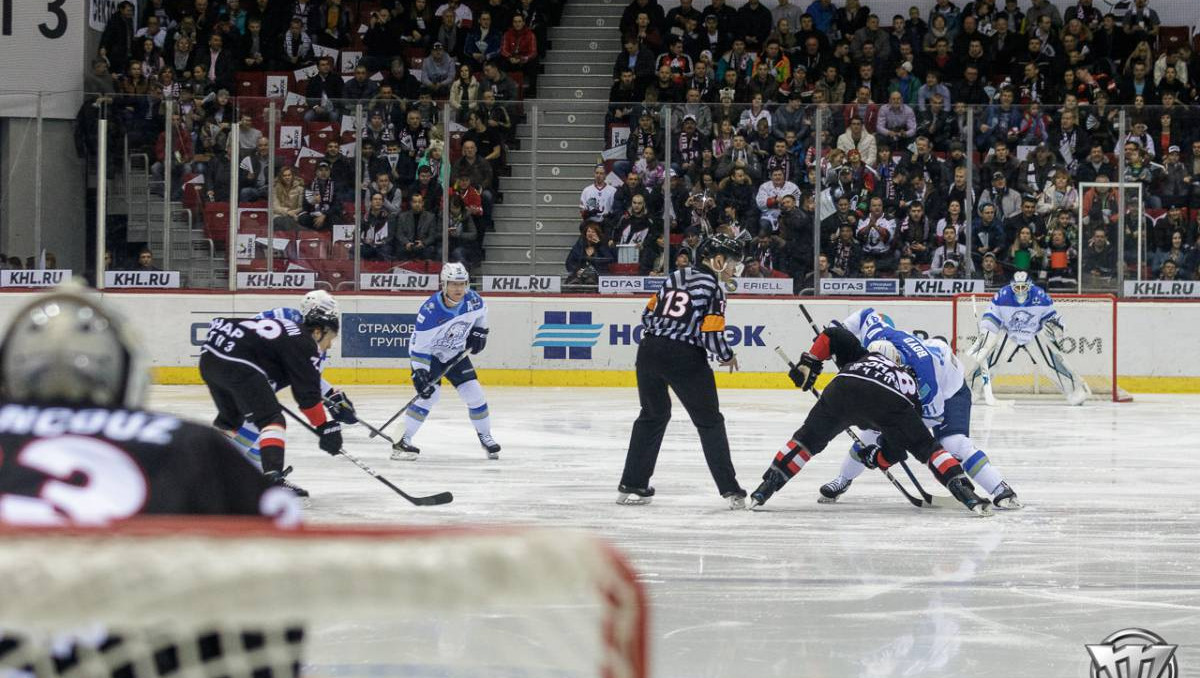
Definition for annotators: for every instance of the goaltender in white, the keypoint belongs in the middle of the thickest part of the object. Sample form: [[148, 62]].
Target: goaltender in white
[[1024, 314], [449, 324]]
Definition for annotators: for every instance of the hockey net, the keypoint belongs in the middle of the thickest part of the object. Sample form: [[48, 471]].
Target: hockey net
[[1089, 345], [208, 599]]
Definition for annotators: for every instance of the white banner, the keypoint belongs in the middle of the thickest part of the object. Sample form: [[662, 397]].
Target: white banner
[[940, 287], [296, 280], [622, 284], [1178, 289], [398, 280], [522, 283], [859, 286], [34, 278], [763, 286], [157, 279]]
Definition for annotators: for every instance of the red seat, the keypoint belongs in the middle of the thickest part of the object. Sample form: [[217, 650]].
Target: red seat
[[434, 267], [253, 222], [308, 168], [318, 140], [371, 266], [623, 269], [216, 222], [251, 84], [342, 251], [312, 245], [1173, 37]]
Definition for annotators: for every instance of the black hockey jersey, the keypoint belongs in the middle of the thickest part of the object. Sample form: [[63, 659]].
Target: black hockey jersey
[[278, 349], [89, 466], [856, 362]]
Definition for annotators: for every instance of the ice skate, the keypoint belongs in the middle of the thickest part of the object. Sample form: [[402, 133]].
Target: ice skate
[[489, 443], [404, 450], [737, 500], [279, 479], [634, 496], [1006, 499], [833, 489], [773, 480], [964, 492]]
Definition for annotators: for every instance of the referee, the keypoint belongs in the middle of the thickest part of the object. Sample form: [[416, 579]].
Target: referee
[[683, 321]]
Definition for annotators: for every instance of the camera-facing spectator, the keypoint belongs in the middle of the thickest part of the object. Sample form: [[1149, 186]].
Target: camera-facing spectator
[[323, 92], [321, 206], [596, 199], [590, 257], [463, 243], [950, 250], [418, 235], [378, 231], [288, 200], [295, 47]]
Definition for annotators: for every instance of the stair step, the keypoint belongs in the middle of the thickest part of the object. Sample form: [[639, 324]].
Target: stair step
[[555, 157], [569, 38], [592, 22], [601, 60], [601, 80], [581, 94], [522, 240], [582, 69]]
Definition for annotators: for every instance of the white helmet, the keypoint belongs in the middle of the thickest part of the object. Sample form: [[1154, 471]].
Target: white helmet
[[1020, 285], [64, 348], [885, 349], [455, 272], [319, 300]]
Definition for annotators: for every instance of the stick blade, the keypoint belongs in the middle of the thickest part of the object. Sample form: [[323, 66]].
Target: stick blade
[[432, 500]]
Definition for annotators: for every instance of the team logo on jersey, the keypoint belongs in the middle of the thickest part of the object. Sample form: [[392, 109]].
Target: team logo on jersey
[[567, 335], [1133, 652], [454, 337]]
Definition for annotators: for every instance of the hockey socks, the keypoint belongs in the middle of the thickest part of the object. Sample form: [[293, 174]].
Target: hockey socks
[[974, 462], [416, 413], [471, 393], [271, 445], [944, 466], [788, 462]]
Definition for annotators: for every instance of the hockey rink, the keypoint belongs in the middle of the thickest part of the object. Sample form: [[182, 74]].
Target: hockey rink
[[869, 587]]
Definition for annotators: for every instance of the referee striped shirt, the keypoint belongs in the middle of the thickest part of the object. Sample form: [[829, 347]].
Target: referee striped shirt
[[690, 308]]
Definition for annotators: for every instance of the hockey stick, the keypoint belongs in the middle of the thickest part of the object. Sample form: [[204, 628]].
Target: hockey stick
[[929, 498], [376, 432], [985, 374], [924, 501], [431, 500]]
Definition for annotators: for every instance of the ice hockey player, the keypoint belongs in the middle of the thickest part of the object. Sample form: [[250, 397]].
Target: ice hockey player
[[73, 382], [449, 323], [336, 401], [1022, 312], [682, 322], [945, 405], [244, 361], [869, 392]]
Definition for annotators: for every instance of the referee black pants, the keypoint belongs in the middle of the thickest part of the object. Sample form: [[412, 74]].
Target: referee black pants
[[684, 368]]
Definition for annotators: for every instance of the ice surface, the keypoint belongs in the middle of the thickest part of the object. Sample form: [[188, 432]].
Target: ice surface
[[869, 587]]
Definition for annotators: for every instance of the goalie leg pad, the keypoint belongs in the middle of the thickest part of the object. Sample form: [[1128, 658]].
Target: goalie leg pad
[[1054, 364]]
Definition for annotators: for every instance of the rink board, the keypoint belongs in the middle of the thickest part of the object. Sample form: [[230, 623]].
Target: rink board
[[592, 341]]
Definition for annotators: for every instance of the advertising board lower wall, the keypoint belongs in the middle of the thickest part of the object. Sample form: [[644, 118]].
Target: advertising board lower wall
[[592, 341]]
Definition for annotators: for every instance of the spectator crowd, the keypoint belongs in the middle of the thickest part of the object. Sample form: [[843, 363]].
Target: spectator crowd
[[950, 143], [479, 57]]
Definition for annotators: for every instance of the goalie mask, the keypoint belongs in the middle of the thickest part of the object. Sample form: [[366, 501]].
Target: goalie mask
[[1020, 286], [66, 349]]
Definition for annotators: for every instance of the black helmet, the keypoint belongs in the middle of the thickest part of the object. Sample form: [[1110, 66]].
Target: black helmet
[[319, 318], [719, 243]]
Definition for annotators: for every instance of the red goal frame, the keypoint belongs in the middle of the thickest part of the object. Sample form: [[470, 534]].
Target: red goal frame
[[1118, 396]]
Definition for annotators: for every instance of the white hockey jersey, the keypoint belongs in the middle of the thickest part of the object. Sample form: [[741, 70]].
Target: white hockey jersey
[[441, 332], [1020, 320], [939, 373]]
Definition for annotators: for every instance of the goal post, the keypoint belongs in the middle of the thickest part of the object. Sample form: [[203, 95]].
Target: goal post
[[419, 602], [1089, 345]]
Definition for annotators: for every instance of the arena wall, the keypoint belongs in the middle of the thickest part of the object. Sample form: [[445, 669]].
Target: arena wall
[[592, 341]]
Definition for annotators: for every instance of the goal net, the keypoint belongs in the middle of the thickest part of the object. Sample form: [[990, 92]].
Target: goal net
[[209, 599], [1089, 345]]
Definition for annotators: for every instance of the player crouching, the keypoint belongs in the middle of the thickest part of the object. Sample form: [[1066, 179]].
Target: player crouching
[[450, 323], [870, 392]]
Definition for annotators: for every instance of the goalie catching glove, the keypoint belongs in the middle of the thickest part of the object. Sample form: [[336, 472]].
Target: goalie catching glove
[[340, 407], [804, 375]]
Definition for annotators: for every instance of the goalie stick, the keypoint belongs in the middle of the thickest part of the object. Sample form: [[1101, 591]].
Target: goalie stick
[[926, 500], [431, 500], [394, 417]]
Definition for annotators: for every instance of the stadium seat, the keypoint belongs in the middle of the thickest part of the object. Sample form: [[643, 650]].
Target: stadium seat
[[253, 221], [216, 222]]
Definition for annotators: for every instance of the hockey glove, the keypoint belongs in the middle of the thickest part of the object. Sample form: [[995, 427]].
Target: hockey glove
[[871, 456], [477, 339], [804, 375], [331, 437], [340, 407], [420, 380], [1055, 331]]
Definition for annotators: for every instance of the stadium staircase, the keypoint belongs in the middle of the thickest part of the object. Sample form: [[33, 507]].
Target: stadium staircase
[[571, 103]]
